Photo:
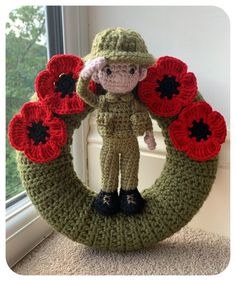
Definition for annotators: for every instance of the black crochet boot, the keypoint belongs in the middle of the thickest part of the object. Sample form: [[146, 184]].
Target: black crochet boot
[[106, 203], [131, 201]]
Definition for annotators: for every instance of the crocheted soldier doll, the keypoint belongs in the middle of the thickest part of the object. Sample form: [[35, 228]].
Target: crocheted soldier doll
[[118, 61]]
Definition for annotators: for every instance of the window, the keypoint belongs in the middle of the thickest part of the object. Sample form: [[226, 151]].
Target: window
[[29, 43], [33, 34], [26, 55]]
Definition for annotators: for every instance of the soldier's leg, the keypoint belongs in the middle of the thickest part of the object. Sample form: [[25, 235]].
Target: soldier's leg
[[129, 164], [107, 201], [131, 201], [109, 160]]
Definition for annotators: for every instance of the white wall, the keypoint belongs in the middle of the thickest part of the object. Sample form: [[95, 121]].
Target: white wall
[[197, 35]]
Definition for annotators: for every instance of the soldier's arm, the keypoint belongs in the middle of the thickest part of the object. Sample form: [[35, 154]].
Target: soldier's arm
[[144, 116], [85, 94], [91, 67], [146, 122]]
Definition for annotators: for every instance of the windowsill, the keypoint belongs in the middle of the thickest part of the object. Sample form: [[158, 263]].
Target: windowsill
[[25, 229], [16, 204]]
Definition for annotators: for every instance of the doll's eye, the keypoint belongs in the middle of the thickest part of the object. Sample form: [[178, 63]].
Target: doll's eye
[[108, 71], [132, 70]]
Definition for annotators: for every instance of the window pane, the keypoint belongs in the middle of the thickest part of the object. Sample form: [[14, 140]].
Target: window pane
[[26, 55]]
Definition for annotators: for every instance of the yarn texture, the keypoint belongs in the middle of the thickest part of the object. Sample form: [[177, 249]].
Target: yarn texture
[[165, 92], [168, 87], [65, 202], [37, 132], [55, 86], [129, 162], [120, 118], [120, 45]]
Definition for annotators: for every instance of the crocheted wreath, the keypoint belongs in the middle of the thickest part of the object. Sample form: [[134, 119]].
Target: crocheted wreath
[[193, 135]]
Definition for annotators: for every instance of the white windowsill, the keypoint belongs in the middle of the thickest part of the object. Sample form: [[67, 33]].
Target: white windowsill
[[24, 230]]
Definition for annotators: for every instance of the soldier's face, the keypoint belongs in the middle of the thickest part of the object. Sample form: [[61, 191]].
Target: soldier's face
[[120, 77]]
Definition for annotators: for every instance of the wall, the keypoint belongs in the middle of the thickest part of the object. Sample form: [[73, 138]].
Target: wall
[[200, 37]]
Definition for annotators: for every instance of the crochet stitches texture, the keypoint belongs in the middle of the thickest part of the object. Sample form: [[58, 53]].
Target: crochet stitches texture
[[65, 202], [120, 45], [120, 119]]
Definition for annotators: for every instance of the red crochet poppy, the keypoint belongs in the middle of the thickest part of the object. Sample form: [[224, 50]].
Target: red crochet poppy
[[168, 87], [198, 131], [37, 132], [56, 86]]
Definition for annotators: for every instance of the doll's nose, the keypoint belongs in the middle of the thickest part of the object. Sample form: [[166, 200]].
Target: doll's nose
[[121, 72]]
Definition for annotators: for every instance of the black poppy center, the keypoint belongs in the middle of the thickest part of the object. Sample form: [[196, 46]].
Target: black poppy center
[[199, 130], [65, 85], [168, 87], [38, 132]]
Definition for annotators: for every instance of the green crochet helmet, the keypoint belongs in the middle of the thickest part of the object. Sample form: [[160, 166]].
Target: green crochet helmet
[[120, 45]]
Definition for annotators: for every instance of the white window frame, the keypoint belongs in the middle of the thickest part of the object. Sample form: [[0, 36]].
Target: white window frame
[[25, 229], [76, 41]]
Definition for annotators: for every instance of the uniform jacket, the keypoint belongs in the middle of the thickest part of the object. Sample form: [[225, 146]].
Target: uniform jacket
[[118, 115]]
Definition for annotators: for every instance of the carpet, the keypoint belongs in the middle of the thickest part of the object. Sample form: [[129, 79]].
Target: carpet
[[188, 252]]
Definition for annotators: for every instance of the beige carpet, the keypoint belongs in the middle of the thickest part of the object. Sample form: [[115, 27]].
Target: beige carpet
[[187, 252]]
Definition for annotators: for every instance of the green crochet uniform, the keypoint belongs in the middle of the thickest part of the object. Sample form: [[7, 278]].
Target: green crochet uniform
[[120, 119]]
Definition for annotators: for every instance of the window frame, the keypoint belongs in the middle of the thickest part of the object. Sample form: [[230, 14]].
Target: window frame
[[76, 41], [25, 229]]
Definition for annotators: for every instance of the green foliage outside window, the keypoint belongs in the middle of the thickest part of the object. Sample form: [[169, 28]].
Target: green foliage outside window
[[26, 55]]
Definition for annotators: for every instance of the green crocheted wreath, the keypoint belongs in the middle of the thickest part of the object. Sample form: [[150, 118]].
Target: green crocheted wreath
[[65, 202]]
